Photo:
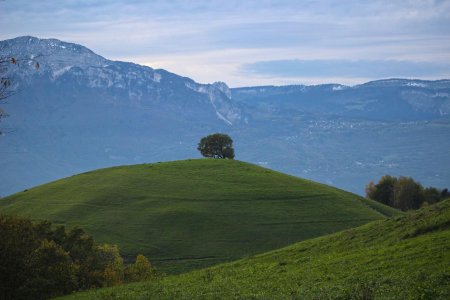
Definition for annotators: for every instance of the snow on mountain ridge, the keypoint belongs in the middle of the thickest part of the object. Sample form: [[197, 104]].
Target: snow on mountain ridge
[[219, 100], [59, 59], [223, 87]]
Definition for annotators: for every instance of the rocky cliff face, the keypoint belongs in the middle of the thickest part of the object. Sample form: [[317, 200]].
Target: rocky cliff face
[[126, 83]]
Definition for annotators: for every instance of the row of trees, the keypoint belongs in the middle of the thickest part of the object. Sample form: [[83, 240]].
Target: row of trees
[[40, 261], [404, 193]]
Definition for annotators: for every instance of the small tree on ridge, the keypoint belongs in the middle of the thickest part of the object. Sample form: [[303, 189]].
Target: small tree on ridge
[[216, 145]]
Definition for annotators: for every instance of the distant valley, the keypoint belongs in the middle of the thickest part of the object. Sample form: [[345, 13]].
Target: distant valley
[[80, 112]]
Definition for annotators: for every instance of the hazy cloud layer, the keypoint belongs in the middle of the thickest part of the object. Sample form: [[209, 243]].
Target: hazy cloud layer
[[347, 68], [251, 42]]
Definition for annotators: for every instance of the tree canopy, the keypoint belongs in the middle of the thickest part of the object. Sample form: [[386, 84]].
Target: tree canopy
[[39, 260], [404, 193], [216, 145]]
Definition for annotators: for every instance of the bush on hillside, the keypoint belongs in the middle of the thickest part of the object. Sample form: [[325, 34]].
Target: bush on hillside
[[141, 270]]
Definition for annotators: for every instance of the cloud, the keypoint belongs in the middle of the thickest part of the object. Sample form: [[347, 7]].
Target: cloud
[[346, 68], [208, 39]]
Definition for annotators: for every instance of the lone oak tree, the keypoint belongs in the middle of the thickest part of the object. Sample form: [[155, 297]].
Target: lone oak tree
[[216, 145]]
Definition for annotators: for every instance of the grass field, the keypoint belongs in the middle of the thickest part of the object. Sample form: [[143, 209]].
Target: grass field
[[405, 257], [191, 214]]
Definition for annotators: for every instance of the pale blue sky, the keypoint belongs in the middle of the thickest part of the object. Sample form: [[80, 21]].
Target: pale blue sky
[[251, 42]]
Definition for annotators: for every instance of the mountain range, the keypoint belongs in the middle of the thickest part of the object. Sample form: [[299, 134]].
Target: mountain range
[[80, 111]]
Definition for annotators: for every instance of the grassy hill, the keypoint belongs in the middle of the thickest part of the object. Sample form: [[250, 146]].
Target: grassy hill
[[191, 214], [405, 257]]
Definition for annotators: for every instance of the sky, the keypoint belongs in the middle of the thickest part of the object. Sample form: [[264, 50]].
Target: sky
[[248, 43]]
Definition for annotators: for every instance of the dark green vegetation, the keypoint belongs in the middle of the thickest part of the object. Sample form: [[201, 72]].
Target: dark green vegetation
[[404, 193], [190, 214], [38, 261], [216, 145], [405, 257]]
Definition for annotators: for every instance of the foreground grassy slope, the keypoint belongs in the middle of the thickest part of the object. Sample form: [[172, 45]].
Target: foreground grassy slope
[[406, 257], [191, 214]]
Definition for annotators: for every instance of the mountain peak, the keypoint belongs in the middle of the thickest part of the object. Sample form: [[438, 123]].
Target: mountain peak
[[223, 87], [32, 42], [138, 85], [52, 54]]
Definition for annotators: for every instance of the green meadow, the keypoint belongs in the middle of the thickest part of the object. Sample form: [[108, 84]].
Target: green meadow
[[404, 257], [191, 214]]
